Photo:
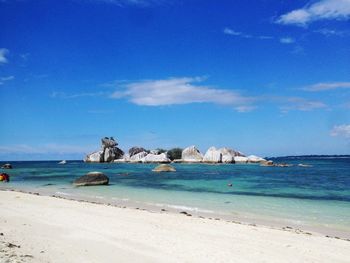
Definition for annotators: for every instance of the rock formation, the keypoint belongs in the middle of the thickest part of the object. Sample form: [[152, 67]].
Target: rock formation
[[212, 156], [135, 150], [164, 168], [95, 157], [137, 158], [92, 178], [228, 155], [109, 152], [156, 158], [255, 159], [191, 155], [240, 159]]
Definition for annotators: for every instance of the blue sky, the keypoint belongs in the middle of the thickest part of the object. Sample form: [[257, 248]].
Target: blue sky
[[267, 78]]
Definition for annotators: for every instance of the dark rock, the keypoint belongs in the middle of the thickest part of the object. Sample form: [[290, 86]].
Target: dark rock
[[6, 166], [135, 150], [108, 142], [92, 178], [110, 154]]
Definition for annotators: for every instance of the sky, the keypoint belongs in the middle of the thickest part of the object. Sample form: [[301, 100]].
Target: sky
[[264, 77]]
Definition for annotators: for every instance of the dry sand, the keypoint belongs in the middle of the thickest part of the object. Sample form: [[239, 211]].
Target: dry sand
[[47, 229]]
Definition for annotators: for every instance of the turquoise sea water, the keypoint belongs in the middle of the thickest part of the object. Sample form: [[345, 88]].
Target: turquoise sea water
[[316, 197]]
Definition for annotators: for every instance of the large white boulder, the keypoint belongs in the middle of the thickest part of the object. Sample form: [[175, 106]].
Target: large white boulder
[[228, 155], [125, 159], [240, 159], [94, 157], [255, 159], [191, 155], [212, 156], [156, 158], [138, 158]]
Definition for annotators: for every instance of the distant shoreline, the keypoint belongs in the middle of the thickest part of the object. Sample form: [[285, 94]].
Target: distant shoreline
[[315, 156]]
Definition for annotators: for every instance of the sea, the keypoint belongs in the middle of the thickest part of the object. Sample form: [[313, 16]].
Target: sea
[[314, 196]]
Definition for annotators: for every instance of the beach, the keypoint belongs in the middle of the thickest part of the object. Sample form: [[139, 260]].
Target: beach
[[47, 229]]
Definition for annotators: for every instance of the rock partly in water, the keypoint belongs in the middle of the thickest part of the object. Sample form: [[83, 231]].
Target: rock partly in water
[[108, 153], [138, 158], [112, 153], [6, 166], [135, 150], [156, 158], [124, 159], [212, 156], [95, 157], [228, 155], [191, 155], [164, 168], [92, 178], [255, 159], [240, 159], [267, 163]]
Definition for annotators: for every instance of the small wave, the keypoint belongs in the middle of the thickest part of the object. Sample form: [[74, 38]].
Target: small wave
[[182, 207], [62, 193]]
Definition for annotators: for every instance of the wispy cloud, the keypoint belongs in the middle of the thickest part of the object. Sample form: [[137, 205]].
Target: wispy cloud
[[327, 86], [3, 53], [181, 91], [297, 103], [63, 95], [24, 56], [231, 32], [4, 79], [341, 130], [287, 40], [320, 10], [332, 32]]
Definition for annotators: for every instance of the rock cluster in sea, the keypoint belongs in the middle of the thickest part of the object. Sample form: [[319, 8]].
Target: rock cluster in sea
[[111, 153]]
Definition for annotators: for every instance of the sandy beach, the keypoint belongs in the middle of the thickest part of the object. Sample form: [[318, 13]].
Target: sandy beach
[[47, 229]]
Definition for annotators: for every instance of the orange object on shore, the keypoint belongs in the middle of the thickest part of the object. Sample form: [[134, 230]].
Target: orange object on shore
[[4, 177]]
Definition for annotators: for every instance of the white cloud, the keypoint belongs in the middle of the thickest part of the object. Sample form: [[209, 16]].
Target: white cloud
[[341, 130], [4, 79], [324, 9], [287, 40], [332, 32], [301, 104], [3, 54], [181, 91], [231, 32], [327, 86], [63, 95]]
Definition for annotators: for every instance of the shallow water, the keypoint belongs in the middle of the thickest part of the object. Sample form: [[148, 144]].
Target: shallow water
[[317, 197]]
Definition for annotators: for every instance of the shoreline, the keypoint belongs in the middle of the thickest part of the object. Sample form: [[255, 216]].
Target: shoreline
[[45, 229], [153, 208]]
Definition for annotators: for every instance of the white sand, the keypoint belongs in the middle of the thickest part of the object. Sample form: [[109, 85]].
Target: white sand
[[48, 229]]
